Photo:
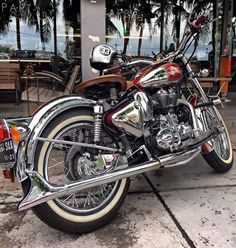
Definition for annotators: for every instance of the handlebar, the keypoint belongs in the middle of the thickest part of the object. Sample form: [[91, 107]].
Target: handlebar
[[128, 65], [195, 26], [193, 34]]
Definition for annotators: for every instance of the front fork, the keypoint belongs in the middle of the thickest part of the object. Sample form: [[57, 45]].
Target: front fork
[[194, 100], [194, 81]]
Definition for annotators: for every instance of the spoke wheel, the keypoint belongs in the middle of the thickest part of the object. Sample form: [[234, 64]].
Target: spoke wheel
[[80, 166], [220, 157], [82, 211]]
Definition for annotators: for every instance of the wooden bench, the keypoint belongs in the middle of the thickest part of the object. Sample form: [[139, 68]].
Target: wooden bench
[[42, 94], [9, 78]]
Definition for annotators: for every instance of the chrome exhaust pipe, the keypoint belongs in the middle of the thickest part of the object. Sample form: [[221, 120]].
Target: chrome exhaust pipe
[[42, 191]]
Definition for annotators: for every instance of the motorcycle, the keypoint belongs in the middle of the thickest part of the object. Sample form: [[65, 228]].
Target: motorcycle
[[117, 72], [74, 156]]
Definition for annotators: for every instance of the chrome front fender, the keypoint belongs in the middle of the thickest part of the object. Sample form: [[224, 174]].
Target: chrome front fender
[[40, 119]]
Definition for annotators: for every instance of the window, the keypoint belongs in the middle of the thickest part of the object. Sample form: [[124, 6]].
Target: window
[[135, 27], [43, 33], [132, 27]]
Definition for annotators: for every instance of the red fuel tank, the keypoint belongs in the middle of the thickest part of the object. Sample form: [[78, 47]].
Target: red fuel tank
[[158, 75]]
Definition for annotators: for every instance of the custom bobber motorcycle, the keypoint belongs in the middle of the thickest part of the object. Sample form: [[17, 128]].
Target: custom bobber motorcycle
[[74, 156]]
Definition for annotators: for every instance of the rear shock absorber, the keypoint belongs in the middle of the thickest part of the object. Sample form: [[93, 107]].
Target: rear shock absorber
[[113, 93], [98, 114]]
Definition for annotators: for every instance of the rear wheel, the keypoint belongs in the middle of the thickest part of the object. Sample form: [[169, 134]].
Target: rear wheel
[[82, 211]]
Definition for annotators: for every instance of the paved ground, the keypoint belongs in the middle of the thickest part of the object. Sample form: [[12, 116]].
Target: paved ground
[[188, 206]]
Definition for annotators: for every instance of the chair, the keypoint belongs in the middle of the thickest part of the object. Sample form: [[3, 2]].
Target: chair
[[42, 94], [9, 78]]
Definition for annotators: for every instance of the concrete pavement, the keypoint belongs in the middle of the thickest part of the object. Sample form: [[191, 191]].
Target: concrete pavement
[[187, 206], [190, 207]]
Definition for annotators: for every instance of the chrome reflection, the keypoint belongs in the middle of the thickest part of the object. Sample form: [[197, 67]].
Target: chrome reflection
[[130, 119], [42, 191], [158, 75], [133, 117], [146, 103]]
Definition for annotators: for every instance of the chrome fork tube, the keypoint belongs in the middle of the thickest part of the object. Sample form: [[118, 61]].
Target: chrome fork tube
[[194, 80], [199, 88], [196, 128]]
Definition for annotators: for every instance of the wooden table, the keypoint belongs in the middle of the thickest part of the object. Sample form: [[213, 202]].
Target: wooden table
[[212, 79], [208, 82]]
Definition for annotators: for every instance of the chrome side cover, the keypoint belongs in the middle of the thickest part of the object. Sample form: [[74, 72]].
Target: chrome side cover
[[132, 118], [146, 104]]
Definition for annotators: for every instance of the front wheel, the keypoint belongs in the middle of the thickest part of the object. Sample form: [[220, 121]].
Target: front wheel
[[221, 156], [83, 211]]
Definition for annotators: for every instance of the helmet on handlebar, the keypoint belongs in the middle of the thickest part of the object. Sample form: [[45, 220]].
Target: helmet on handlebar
[[101, 57]]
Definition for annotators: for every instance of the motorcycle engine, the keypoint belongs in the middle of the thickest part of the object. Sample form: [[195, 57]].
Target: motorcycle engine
[[170, 134], [170, 128]]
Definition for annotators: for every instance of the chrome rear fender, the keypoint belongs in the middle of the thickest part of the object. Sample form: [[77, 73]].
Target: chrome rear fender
[[36, 125]]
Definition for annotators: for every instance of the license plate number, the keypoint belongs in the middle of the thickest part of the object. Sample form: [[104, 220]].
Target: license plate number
[[7, 153]]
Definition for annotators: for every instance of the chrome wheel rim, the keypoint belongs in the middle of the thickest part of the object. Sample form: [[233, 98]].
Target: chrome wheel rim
[[84, 202], [221, 143]]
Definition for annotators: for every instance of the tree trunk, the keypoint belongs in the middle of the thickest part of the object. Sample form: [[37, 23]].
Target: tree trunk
[[68, 48], [177, 21], [162, 26], [126, 34], [126, 43], [55, 36], [41, 30], [18, 38], [214, 39], [140, 39]]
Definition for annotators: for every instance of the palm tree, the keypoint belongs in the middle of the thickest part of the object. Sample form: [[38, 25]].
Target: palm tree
[[71, 12], [45, 14], [124, 10], [130, 13], [38, 14], [143, 16], [5, 19], [66, 5], [17, 14], [167, 10]]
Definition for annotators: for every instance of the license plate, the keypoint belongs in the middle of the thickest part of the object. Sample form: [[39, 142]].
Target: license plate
[[7, 153]]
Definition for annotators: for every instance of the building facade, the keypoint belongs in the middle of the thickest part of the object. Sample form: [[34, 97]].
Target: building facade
[[55, 33]]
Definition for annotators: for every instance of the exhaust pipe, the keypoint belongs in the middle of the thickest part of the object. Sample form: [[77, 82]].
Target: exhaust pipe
[[42, 191]]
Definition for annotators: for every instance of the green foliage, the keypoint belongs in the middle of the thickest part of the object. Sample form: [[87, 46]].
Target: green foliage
[[6, 49], [171, 48], [35, 13]]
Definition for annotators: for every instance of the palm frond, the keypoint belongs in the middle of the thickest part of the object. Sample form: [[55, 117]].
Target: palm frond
[[111, 28]]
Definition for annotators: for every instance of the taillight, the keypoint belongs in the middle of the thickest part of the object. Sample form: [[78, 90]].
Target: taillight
[[8, 174], [15, 134], [4, 134]]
